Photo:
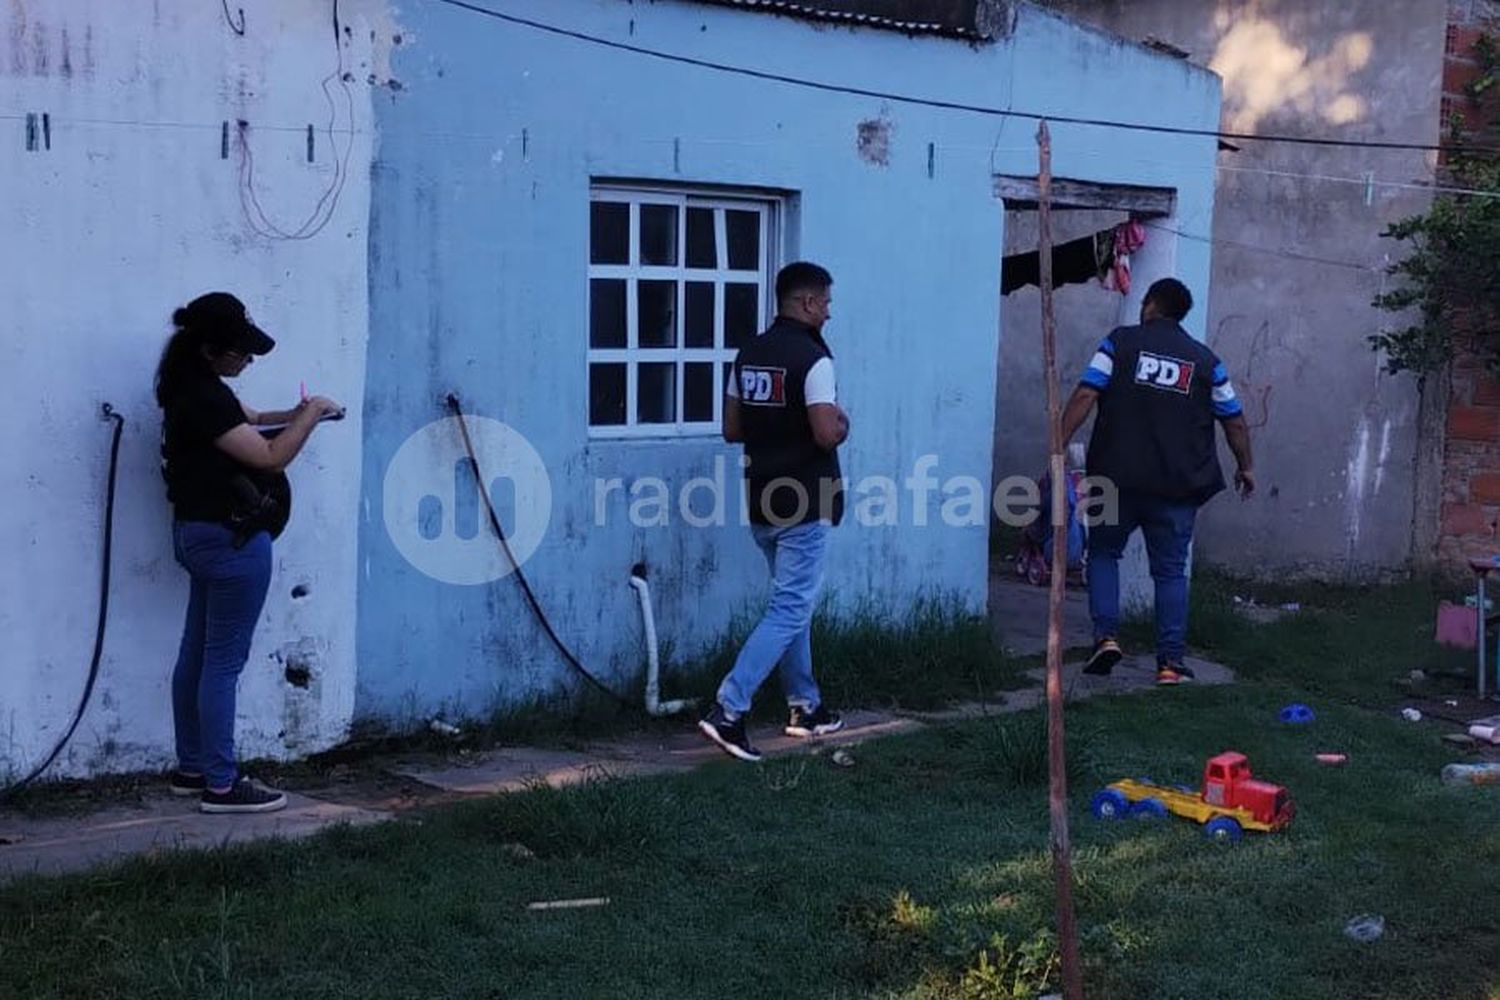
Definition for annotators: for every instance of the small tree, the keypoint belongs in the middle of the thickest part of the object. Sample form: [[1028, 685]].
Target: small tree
[[1451, 279]]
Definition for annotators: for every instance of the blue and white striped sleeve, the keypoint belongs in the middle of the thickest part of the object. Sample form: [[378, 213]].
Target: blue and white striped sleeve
[[1102, 367], [1226, 402]]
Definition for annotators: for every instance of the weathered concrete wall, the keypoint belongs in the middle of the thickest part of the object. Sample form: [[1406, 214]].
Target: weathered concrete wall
[[481, 246], [457, 261], [1298, 258], [124, 211]]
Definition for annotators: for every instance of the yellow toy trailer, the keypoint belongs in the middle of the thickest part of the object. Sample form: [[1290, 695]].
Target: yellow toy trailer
[[1230, 802]]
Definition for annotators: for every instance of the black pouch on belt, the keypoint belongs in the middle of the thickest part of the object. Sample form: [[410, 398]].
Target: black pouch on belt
[[262, 501]]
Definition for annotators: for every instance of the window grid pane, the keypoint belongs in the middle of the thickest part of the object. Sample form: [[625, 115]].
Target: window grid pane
[[666, 374]]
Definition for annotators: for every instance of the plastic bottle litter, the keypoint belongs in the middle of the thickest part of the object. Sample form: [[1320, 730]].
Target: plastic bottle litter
[[843, 758], [444, 728], [1331, 758], [1471, 774], [1489, 734], [1411, 715], [1365, 928]]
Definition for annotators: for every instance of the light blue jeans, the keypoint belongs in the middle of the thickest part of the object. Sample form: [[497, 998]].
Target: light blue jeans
[[228, 591], [784, 636]]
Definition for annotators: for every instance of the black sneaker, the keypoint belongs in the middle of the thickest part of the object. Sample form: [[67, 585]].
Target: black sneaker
[[183, 784], [1106, 654], [730, 736], [244, 796], [1168, 674], [817, 722]]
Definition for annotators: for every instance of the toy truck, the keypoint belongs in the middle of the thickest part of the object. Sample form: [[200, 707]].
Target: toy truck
[[1230, 802]]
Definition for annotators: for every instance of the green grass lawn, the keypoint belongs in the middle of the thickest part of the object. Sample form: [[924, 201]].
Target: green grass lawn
[[921, 872]]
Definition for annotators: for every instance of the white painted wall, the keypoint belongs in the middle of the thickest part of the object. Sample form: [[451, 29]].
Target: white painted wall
[[129, 214]]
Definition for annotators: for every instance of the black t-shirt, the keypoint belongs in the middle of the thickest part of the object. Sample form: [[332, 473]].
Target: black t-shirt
[[197, 472]]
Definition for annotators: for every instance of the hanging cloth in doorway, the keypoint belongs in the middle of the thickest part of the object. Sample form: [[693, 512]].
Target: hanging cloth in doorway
[[1127, 238], [1104, 256]]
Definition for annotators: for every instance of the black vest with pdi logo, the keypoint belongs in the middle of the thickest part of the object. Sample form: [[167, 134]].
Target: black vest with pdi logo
[[1155, 430], [791, 480]]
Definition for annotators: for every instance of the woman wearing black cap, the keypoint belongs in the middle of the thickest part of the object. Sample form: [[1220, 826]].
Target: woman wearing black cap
[[229, 500]]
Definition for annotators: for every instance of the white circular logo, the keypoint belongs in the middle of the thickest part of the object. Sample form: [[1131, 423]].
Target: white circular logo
[[434, 510]]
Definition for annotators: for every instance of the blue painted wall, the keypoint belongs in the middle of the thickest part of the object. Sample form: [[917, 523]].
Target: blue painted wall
[[479, 249]]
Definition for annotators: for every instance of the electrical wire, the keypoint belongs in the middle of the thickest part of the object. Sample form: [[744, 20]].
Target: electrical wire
[[949, 105], [238, 29], [1272, 251], [322, 212], [88, 688], [531, 598], [1364, 182]]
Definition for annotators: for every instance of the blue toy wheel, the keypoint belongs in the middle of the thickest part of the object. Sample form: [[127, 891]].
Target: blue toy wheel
[[1110, 804], [1149, 809], [1223, 830]]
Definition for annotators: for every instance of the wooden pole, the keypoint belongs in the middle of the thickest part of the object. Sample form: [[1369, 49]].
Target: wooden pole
[[1057, 764]]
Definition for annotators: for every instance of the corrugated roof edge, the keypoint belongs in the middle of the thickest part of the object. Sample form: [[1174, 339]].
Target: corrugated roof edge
[[991, 19]]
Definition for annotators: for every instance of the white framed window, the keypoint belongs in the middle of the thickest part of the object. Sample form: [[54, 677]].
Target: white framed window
[[678, 282]]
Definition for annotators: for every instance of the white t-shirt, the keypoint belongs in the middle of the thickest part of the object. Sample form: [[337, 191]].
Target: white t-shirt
[[819, 386]]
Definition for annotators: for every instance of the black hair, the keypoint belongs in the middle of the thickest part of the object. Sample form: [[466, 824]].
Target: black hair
[[182, 358], [1172, 299], [801, 277]]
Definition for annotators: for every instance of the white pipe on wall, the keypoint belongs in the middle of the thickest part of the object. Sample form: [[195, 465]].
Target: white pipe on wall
[[654, 705]]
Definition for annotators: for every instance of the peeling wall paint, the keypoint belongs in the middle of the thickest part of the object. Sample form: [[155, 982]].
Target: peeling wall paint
[[873, 140], [479, 284], [131, 212], [443, 266]]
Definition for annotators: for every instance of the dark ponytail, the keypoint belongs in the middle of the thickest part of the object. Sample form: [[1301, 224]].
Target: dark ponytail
[[181, 359]]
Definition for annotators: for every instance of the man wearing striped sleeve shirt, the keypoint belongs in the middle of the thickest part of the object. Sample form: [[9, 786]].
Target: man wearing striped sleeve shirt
[[1159, 394]]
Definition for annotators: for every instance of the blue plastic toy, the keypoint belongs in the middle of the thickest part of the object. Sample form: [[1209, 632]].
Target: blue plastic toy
[[1297, 714]]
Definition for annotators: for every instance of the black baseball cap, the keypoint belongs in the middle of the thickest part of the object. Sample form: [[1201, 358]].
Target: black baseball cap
[[223, 322]]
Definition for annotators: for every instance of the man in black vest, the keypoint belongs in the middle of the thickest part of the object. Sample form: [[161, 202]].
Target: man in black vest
[[782, 404], [1159, 393]]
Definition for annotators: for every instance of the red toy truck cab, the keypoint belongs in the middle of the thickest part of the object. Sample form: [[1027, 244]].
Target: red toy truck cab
[[1227, 783]]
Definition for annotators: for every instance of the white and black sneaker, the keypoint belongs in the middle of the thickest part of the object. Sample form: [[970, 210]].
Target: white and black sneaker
[[813, 722], [730, 736], [244, 796]]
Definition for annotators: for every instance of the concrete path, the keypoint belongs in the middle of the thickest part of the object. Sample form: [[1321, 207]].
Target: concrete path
[[161, 823], [1018, 616]]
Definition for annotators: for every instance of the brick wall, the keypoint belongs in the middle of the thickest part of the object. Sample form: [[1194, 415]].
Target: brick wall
[[1471, 465], [1470, 516], [1468, 21]]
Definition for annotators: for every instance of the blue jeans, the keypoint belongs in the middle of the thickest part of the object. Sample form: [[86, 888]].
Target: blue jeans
[[784, 636], [228, 591], [1168, 528]]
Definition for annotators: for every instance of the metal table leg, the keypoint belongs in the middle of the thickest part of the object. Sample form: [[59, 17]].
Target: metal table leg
[[1483, 662]]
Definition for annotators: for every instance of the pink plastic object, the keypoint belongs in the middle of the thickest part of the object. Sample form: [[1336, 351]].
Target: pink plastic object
[[1457, 626]]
